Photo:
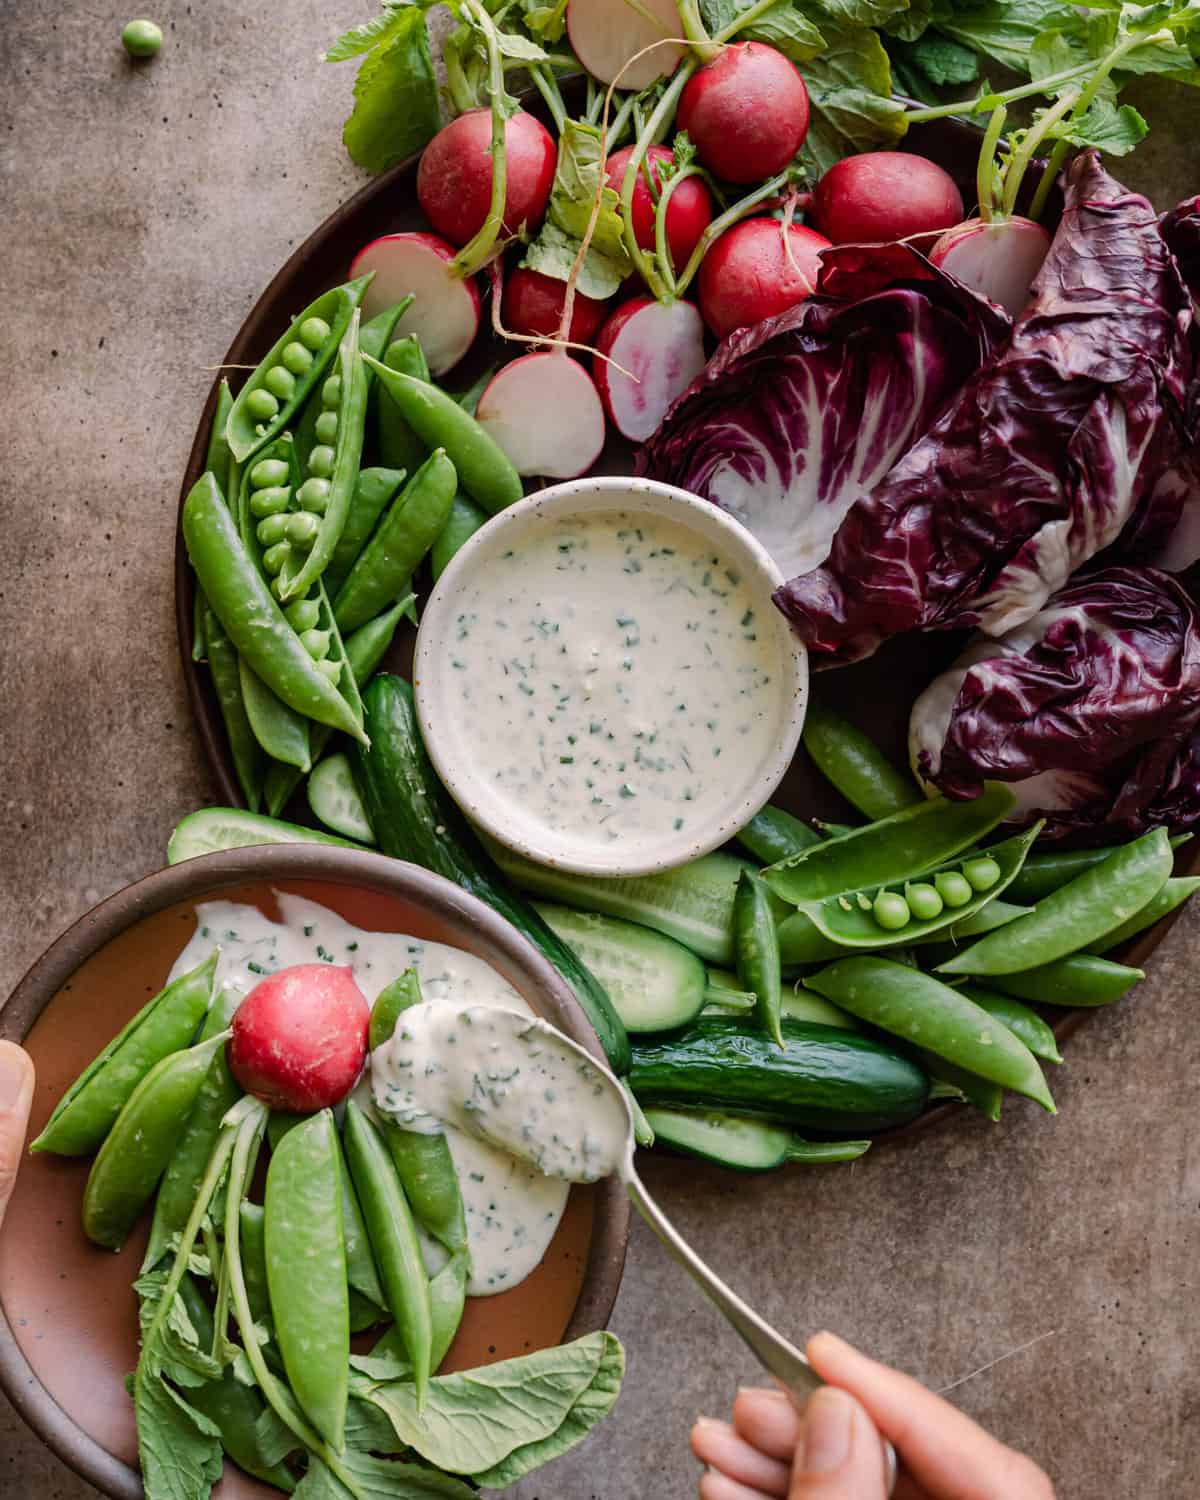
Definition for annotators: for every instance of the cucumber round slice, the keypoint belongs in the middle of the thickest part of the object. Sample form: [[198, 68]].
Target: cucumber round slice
[[333, 797]]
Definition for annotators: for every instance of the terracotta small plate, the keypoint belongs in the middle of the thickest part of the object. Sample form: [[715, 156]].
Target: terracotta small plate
[[68, 1334]]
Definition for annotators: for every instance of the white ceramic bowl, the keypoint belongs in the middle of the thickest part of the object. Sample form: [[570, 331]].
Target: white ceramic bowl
[[455, 739]]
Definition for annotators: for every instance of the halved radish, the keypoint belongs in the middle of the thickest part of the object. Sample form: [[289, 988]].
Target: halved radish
[[544, 412], [605, 34], [446, 308], [998, 258], [662, 346]]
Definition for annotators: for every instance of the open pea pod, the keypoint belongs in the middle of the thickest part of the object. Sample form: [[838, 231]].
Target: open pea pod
[[800, 942], [289, 370], [848, 922], [894, 849]]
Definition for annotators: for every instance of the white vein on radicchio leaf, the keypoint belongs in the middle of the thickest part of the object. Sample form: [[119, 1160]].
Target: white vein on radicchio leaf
[[1090, 710], [796, 418], [1038, 463]]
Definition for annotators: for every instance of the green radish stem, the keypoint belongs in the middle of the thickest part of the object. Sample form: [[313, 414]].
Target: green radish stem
[[1019, 161], [479, 249], [663, 112], [547, 85], [985, 170], [661, 248], [694, 29], [732, 215], [744, 19]]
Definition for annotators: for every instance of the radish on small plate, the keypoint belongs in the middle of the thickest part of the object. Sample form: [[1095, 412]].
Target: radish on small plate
[[446, 307], [884, 195], [753, 272], [997, 257], [454, 177], [606, 34], [746, 112], [661, 345], [544, 411]]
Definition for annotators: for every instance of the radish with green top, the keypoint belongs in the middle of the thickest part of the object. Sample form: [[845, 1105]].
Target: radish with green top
[[884, 195], [689, 205], [446, 307], [454, 178], [757, 269], [533, 305], [746, 112], [607, 35], [661, 346], [544, 412]]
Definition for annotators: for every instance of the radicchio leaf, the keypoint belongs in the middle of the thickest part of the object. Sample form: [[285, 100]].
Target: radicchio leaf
[[1091, 709], [797, 417], [1041, 459]]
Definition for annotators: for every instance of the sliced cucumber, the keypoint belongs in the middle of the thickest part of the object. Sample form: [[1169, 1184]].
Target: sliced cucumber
[[724, 995], [693, 904], [745, 1145], [655, 983], [334, 799], [213, 829]]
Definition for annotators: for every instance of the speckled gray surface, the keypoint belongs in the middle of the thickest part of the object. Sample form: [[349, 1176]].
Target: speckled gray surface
[[145, 208]]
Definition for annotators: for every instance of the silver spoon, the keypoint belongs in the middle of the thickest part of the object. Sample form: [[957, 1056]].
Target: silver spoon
[[611, 1144]]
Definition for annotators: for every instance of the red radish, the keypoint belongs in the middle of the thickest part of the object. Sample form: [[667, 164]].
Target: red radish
[[997, 257], [662, 346], [544, 412], [605, 34], [751, 273], [454, 179], [446, 310], [746, 113], [533, 304], [300, 1037], [689, 211], [884, 195]]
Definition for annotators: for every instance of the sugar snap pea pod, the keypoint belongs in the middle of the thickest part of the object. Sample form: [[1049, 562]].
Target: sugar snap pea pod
[[244, 748], [773, 834], [277, 387], [846, 921], [86, 1112], [328, 490], [185, 1170], [985, 1096], [855, 765], [483, 468], [399, 445], [1046, 872], [280, 731], [401, 995], [447, 1294], [220, 1013], [365, 648], [233, 1407], [402, 538], [393, 1236], [1078, 913], [756, 952], [1082, 979], [217, 461], [251, 617], [137, 1149], [374, 491], [1177, 890], [1019, 1019], [374, 336], [893, 849], [254, 1260], [306, 1271], [932, 1015], [464, 521]]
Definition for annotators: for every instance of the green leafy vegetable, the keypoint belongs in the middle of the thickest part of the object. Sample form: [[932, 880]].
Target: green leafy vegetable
[[1003, 30], [850, 86], [944, 61], [576, 179], [395, 94], [179, 1449]]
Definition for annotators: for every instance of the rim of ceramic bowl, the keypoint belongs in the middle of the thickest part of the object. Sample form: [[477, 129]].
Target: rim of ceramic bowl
[[459, 775], [210, 873]]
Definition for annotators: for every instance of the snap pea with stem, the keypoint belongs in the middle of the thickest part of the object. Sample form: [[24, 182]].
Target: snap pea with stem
[[1078, 913], [276, 388], [1081, 979], [931, 1014], [1175, 891], [1046, 872], [401, 540], [86, 1113], [756, 952], [855, 766], [281, 732], [1019, 1019]]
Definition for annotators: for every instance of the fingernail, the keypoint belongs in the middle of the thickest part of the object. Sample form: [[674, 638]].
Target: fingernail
[[828, 1418], [13, 1068]]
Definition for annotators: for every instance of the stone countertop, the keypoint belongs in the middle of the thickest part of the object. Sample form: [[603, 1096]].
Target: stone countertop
[[145, 209]]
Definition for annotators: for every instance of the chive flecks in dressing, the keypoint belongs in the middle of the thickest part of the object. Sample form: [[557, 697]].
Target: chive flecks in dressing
[[512, 1210], [505, 1079], [625, 674]]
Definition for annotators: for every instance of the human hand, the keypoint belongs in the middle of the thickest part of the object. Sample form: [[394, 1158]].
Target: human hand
[[834, 1451], [16, 1096]]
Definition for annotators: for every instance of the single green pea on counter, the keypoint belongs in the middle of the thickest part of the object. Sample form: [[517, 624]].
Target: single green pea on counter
[[142, 38], [278, 385]]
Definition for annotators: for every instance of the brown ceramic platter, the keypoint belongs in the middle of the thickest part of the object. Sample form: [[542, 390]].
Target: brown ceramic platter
[[68, 1333], [876, 695]]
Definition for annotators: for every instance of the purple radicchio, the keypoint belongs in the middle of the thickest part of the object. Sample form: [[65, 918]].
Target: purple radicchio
[[797, 417], [1041, 459], [1090, 709]]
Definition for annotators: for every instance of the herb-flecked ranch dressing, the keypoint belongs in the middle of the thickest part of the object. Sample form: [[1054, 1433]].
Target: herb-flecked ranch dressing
[[610, 674], [506, 1079], [512, 1209]]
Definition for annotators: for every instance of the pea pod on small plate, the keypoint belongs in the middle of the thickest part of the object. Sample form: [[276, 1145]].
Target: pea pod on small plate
[[277, 387], [932, 1015], [244, 748], [893, 849], [217, 461], [1076, 914]]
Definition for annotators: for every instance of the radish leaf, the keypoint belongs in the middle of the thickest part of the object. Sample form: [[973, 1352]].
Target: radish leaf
[[395, 96]]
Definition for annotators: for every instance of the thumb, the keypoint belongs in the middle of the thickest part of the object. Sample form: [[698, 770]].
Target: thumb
[[16, 1095], [840, 1454]]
